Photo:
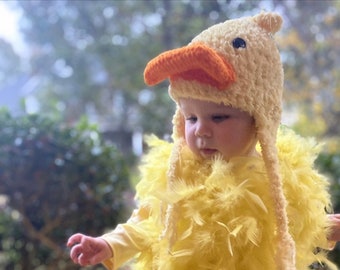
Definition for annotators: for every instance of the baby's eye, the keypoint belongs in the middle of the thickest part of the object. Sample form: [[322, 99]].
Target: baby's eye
[[219, 118], [191, 119]]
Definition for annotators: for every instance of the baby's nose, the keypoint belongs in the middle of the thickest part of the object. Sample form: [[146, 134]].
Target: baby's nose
[[202, 130]]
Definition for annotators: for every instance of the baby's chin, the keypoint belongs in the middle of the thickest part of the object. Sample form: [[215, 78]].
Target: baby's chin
[[208, 152], [215, 154], [212, 155]]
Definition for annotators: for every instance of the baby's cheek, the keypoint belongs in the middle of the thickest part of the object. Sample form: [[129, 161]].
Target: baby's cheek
[[187, 134], [191, 143]]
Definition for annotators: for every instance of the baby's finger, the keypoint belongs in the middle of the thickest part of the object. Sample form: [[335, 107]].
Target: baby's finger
[[83, 260], [74, 239], [75, 253]]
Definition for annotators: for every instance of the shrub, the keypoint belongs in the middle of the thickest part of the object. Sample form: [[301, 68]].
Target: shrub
[[55, 181]]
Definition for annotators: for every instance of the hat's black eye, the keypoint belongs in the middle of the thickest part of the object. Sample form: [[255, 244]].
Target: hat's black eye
[[239, 43]]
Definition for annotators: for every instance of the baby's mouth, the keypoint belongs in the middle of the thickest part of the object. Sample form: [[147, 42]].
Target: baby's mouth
[[208, 151]]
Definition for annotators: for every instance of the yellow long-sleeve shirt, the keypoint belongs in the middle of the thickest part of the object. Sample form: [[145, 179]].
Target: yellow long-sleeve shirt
[[221, 214]]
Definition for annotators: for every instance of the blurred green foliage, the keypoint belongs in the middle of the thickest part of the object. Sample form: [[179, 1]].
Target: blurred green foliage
[[329, 164], [54, 182]]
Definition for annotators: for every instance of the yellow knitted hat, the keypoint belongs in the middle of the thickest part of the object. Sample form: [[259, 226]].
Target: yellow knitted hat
[[235, 63]]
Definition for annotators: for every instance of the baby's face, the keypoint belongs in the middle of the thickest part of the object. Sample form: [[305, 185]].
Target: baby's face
[[212, 129]]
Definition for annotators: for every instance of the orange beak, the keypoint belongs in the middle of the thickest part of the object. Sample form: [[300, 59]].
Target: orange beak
[[194, 62]]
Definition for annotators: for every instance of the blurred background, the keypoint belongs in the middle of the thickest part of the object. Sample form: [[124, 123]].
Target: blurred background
[[74, 107]]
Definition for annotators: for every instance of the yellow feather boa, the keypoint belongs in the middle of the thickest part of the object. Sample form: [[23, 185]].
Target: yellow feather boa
[[222, 212]]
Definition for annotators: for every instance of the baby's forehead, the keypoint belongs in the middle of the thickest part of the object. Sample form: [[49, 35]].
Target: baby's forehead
[[190, 106], [187, 103]]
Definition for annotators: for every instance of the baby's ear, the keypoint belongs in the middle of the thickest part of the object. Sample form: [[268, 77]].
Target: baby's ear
[[269, 21]]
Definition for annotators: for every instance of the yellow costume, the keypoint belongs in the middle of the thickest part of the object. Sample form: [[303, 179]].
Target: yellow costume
[[266, 212], [225, 217]]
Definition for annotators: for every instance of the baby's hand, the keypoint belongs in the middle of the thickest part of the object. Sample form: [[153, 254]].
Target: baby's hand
[[86, 250], [335, 227]]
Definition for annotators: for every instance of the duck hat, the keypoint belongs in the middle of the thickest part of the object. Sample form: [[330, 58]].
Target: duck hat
[[235, 63]]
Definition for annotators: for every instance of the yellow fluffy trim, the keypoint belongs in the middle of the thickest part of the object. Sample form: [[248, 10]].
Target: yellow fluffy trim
[[223, 211]]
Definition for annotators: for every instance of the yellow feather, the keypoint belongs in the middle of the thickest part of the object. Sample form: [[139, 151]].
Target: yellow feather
[[257, 200]]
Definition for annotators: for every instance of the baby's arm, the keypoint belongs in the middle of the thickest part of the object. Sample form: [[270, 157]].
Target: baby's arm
[[114, 248], [335, 227], [88, 250]]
